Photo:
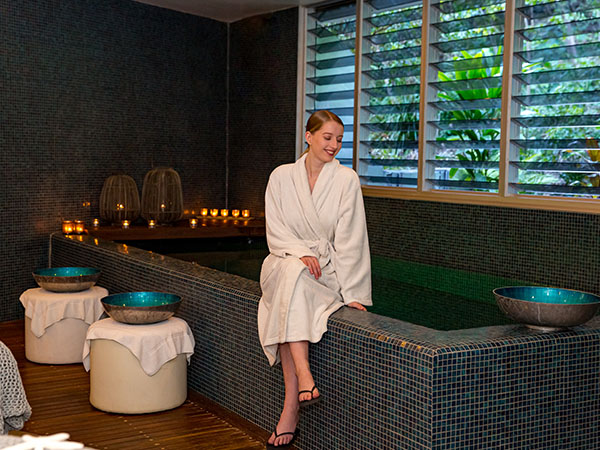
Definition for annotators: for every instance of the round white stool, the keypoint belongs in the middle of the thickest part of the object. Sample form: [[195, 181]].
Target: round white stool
[[119, 384], [136, 369], [56, 323], [62, 343]]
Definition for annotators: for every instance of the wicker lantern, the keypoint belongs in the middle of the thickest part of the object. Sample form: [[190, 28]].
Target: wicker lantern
[[162, 197], [119, 199]]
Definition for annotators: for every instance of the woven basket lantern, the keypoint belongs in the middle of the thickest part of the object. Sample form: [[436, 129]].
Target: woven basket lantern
[[119, 199], [162, 197]]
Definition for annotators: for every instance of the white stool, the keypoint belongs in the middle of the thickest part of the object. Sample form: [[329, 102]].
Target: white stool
[[56, 323], [136, 369]]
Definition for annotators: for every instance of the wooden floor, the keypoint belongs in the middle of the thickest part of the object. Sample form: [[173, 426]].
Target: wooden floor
[[59, 398]]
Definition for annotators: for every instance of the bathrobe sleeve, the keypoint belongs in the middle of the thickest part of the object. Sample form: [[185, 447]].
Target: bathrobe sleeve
[[352, 260], [280, 238]]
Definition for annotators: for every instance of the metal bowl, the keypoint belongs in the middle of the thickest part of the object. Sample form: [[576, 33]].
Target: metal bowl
[[66, 279], [546, 308], [141, 307]]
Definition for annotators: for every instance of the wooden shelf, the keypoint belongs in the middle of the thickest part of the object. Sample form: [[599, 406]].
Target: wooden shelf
[[207, 228]]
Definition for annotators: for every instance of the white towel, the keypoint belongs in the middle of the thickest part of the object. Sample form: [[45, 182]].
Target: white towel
[[153, 344], [46, 308]]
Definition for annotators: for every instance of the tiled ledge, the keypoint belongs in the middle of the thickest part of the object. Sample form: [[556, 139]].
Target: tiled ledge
[[419, 388]]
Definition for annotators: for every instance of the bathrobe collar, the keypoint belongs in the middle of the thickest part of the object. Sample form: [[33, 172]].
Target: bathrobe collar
[[307, 200]]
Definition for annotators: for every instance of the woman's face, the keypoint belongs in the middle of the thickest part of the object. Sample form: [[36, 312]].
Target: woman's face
[[326, 142]]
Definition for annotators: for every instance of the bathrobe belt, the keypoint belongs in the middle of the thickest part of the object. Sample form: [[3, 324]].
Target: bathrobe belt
[[323, 249]]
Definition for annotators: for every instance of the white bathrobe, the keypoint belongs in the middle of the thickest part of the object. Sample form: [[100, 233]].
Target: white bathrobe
[[328, 224]]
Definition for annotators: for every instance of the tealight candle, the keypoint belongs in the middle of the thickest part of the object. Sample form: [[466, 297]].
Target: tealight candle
[[68, 227], [79, 227], [125, 224], [214, 212], [96, 223], [204, 212], [193, 222], [235, 212], [245, 213], [224, 212], [152, 224]]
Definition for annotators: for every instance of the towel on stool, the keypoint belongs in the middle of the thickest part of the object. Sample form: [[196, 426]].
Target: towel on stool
[[46, 308], [153, 344]]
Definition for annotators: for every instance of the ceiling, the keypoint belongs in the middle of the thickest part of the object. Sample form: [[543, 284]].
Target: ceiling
[[227, 10]]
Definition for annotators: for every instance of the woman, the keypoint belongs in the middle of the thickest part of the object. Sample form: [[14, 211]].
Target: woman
[[319, 261]]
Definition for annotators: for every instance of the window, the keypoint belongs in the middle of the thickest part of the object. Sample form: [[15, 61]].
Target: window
[[556, 101], [484, 101], [391, 67], [465, 89], [330, 59]]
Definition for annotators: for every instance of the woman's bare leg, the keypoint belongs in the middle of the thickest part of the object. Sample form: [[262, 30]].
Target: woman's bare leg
[[299, 351], [289, 416]]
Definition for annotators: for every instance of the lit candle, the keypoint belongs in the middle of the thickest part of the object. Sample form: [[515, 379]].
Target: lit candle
[[193, 222], [79, 227], [68, 227], [224, 212], [120, 206], [245, 213], [214, 212], [204, 212], [151, 224], [125, 224], [96, 223], [163, 206], [235, 212]]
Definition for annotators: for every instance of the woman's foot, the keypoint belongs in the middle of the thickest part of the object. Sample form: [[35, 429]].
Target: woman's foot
[[287, 424], [312, 399], [307, 390]]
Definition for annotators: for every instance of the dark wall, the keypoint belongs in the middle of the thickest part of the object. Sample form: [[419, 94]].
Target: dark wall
[[93, 88], [262, 124], [544, 247]]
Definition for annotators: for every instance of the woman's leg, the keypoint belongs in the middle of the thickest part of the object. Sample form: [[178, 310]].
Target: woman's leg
[[299, 351], [289, 416]]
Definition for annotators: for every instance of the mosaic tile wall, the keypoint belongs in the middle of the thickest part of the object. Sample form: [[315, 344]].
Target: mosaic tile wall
[[94, 88], [262, 85], [543, 247], [386, 384]]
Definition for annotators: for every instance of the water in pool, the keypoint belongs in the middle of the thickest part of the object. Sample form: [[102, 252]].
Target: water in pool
[[435, 297]]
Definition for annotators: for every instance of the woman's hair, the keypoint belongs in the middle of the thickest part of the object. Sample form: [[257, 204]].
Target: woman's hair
[[318, 119]]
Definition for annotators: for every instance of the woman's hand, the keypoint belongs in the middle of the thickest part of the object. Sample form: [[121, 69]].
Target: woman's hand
[[313, 266], [356, 305]]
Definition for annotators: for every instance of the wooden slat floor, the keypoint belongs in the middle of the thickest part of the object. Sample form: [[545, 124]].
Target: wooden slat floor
[[59, 398]]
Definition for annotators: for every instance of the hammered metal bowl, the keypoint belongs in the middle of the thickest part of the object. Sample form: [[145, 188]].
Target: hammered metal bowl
[[141, 307], [66, 279], [546, 308]]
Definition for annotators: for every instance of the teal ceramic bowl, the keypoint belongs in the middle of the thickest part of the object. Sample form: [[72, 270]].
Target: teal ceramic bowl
[[547, 308], [141, 307], [66, 279]]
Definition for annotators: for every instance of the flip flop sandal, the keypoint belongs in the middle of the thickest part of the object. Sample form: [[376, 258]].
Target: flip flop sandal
[[295, 433], [313, 400]]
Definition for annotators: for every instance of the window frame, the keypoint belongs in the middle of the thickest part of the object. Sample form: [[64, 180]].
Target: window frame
[[505, 197]]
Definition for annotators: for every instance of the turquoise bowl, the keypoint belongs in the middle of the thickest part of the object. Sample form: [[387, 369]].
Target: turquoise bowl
[[141, 307], [66, 279], [547, 308]]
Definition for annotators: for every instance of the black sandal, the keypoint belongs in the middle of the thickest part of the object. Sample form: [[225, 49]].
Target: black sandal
[[295, 433], [313, 400]]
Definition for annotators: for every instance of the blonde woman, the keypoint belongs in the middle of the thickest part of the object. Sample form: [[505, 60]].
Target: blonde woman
[[319, 261]]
